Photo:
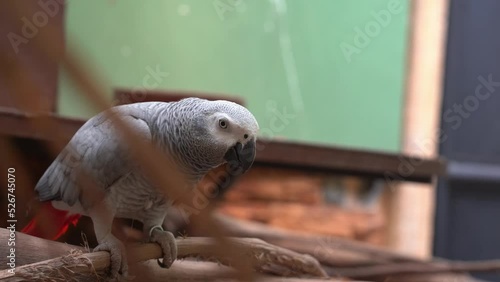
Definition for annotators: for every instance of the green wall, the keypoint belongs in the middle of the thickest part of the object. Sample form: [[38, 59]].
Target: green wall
[[289, 60]]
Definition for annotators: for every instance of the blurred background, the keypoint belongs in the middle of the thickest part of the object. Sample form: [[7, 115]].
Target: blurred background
[[387, 109], [299, 55]]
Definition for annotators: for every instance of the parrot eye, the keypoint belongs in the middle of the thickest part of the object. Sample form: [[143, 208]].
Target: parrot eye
[[222, 123]]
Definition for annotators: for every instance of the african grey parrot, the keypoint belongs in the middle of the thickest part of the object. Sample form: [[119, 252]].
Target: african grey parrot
[[196, 134]]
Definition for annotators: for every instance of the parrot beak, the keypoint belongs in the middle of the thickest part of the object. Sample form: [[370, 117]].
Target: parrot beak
[[241, 158]]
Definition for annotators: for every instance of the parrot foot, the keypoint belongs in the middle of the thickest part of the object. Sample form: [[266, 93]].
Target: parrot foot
[[167, 242], [119, 266]]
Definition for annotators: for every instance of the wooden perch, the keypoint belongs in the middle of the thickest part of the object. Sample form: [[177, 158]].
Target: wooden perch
[[187, 270], [261, 255], [329, 250], [78, 264], [345, 258], [420, 268]]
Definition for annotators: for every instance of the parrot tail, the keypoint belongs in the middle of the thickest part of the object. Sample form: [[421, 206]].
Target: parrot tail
[[50, 223]]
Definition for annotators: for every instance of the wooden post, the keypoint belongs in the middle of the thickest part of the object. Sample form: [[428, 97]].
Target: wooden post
[[412, 205]]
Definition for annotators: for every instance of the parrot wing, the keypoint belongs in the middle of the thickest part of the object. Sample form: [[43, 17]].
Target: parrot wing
[[97, 151]]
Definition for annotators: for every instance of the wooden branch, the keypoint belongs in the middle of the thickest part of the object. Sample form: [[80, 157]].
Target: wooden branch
[[419, 268], [188, 270], [329, 250], [261, 255], [26, 245], [344, 258]]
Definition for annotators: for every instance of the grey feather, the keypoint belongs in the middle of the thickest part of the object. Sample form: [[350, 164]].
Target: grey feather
[[95, 151]]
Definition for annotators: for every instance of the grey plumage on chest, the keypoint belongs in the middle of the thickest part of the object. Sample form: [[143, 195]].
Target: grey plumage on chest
[[134, 197]]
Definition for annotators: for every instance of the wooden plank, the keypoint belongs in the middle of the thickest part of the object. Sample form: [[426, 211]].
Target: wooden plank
[[412, 205], [349, 161], [21, 60], [20, 124], [270, 153], [127, 96]]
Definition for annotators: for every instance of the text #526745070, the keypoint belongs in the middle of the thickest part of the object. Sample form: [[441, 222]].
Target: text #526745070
[[11, 219]]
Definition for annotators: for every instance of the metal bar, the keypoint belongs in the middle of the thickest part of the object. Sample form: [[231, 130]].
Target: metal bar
[[471, 171]]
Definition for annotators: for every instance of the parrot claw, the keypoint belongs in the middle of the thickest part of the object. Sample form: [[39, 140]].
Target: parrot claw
[[119, 266], [167, 242]]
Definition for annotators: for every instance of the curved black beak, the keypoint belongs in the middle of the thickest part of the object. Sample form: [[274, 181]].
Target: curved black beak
[[239, 159]]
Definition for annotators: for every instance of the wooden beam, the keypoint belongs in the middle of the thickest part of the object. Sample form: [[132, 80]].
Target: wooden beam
[[21, 60], [348, 161], [128, 96], [412, 204], [270, 153]]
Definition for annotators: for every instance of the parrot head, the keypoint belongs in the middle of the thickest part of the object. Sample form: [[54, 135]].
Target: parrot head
[[212, 133], [235, 130], [220, 132]]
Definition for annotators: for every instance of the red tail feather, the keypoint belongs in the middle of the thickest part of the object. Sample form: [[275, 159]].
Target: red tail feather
[[50, 223]]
